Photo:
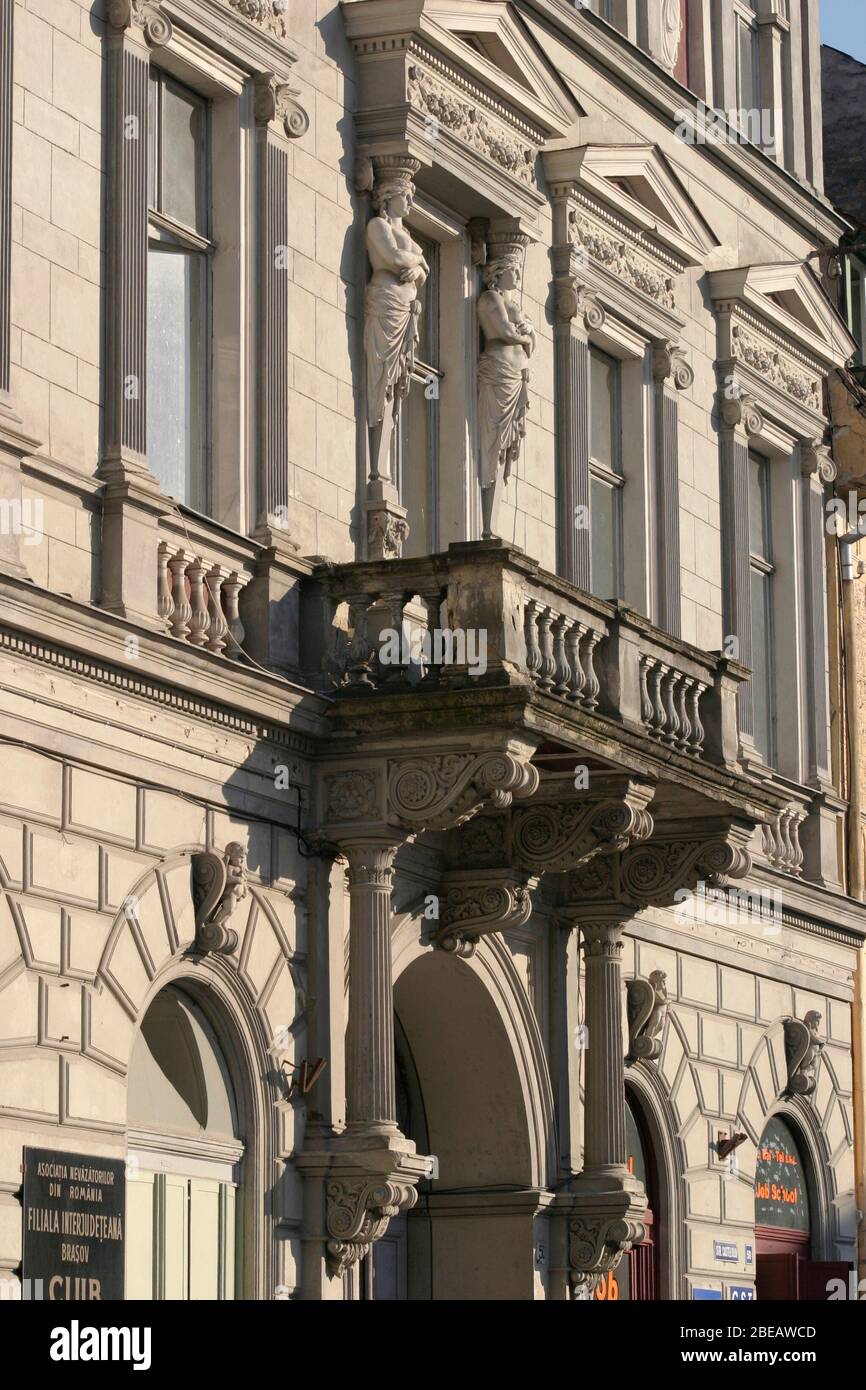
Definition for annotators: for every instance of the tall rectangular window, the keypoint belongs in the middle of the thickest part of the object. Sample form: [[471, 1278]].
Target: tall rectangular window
[[178, 290], [416, 435], [761, 568], [748, 60], [606, 477]]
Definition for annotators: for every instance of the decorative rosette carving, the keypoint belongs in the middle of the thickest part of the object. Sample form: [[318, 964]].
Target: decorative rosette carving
[[558, 837]]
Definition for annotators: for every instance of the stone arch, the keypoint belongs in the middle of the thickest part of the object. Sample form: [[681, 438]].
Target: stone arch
[[494, 971], [253, 998], [647, 1086]]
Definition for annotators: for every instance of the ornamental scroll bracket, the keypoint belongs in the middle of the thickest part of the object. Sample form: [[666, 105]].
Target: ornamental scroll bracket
[[646, 1009], [658, 872], [219, 883], [275, 100], [358, 1212], [478, 902], [436, 793], [669, 363], [145, 15], [803, 1050]]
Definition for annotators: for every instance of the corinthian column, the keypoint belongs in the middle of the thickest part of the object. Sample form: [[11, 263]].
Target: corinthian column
[[370, 1093], [604, 1148]]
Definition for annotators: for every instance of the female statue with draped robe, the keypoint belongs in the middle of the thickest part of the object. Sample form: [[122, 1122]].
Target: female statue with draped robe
[[392, 310], [503, 381]]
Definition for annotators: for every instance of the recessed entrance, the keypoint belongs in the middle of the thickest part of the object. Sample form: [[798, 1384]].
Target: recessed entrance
[[784, 1265], [185, 1152]]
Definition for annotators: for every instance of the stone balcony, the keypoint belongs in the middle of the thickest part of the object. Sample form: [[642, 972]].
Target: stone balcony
[[490, 643]]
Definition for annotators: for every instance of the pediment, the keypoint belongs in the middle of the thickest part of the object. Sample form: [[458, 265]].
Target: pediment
[[789, 297], [483, 38], [638, 184]]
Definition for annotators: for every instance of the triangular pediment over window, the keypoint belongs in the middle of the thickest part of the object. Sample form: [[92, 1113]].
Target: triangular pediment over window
[[790, 298], [639, 184], [489, 38]]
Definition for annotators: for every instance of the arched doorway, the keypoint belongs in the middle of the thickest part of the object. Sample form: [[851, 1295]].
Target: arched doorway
[[636, 1277], [785, 1190], [185, 1154], [461, 1098]]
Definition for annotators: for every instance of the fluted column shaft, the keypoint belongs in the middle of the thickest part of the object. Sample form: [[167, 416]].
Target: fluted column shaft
[[370, 1090], [604, 1141]]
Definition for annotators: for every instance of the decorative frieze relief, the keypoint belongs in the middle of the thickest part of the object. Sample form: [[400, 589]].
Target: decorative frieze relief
[[351, 796], [465, 119], [803, 1050], [265, 14], [775, 367], [646, 1009], [621, 258]]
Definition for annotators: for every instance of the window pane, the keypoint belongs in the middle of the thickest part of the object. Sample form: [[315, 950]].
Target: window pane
[[746, 65], [416, 460], [182, 165], [603, 382], [758, 512], [762, 663], [175, 383], [604, 503]]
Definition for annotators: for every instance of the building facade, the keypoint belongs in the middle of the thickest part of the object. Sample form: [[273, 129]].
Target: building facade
[[425, 834]]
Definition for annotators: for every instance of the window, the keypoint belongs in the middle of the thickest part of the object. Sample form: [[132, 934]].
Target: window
[[606, 478], [855, 289], [761, 575], [601, 8], [748, 60], [416, 435], [178, 290], [184, 1157]]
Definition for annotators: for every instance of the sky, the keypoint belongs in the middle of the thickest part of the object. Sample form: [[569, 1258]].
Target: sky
[[843, 25]]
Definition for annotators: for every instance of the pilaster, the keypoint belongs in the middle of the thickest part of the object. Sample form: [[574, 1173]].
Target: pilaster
[[671, 373]]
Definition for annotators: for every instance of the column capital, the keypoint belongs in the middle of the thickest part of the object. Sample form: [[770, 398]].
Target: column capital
[[738, 410], [816, 462], [371, 860]]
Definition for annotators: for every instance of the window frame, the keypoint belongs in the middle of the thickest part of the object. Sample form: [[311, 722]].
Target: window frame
[[764, 566], [165, 232], [611, 476]]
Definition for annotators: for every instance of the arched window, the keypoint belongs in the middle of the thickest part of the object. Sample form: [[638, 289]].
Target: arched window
[[185, 1150]]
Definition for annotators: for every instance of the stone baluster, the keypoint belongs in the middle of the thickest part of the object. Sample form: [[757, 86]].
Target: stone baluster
[[164, 600], [180, 618], [578, 679], [592, 686], [199, 621], [533, 650], [231, 596], [218, 628], [561, 627], [548, 665]]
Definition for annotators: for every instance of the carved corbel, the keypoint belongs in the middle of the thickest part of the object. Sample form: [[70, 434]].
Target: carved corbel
[[816, 461], [478, 902], [557, 837], [669, 361], [277, 101], [598, 1239], [658, 872], [803, 1050], [738, 409], [574, 300], [438, 792], [218, 885], [647, 1006], [358, 1212], [142, 14]]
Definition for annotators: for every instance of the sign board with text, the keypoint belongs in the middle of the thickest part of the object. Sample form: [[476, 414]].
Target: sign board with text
[[74, 1216]]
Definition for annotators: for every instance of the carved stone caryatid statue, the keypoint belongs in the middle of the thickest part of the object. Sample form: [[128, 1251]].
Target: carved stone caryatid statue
[[399, 270], [646, 1006], [802, 1053], [503, 373], [671, 32]]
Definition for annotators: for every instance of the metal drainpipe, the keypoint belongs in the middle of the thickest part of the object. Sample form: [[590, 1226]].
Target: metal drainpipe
[[856, 885]]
